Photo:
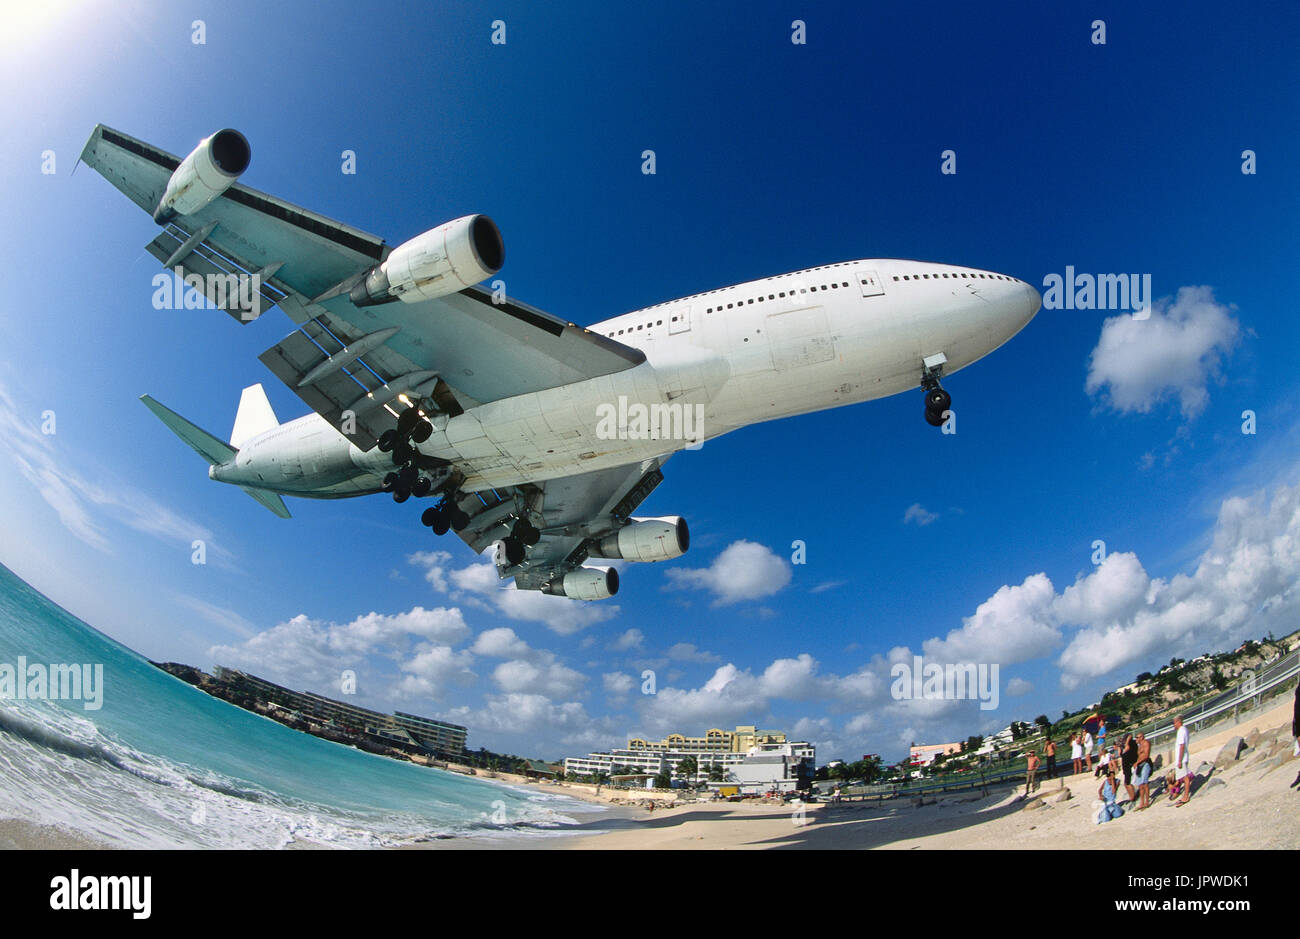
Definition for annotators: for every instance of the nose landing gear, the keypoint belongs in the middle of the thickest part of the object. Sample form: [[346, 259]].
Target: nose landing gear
[[937, 401]]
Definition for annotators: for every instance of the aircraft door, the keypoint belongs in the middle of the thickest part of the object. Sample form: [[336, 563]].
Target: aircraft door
[[679, 319]]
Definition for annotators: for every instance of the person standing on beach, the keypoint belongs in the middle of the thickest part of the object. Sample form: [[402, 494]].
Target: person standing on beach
[[1143, 770], [1295, 730], [1087, 748], [1183, 760], [1076, 753], [1050, 751], [1031, 767], [1128, 755]]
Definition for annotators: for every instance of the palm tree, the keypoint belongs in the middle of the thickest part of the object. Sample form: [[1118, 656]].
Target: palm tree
[[688, 768]]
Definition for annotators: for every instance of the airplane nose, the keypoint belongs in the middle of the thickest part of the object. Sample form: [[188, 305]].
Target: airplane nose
[[1033, 303]]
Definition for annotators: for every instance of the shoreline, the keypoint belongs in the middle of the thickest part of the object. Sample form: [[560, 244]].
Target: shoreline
[[1244, 803]]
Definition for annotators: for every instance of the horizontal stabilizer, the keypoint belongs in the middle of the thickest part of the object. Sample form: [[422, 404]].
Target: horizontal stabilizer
[[212, 449], [269, 499]]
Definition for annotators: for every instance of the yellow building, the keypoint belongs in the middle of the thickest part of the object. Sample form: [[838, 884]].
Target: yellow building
[[741, 740]]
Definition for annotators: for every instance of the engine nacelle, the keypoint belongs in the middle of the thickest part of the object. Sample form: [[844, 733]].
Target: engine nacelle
[[586, 583], [647, 539], [439, 262], [203, 175]]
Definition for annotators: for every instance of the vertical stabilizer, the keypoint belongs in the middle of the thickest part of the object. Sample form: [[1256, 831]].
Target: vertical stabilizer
[[254, 417]]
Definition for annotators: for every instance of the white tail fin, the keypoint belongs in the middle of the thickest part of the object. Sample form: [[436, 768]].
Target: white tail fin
[[254, 417]]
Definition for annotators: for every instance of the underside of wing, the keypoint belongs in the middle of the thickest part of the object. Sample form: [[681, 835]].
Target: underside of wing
[[349, 358], [572, 513]]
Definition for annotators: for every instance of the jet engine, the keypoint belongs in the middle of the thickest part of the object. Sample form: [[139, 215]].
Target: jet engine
[[586, 583], [439, 262], [647, 539], [203, 175]]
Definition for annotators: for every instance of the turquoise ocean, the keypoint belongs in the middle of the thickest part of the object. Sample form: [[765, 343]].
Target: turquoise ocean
[[163, 765]]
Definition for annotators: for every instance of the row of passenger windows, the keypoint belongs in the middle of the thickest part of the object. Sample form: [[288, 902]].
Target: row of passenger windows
[[778, 296], [956, 275], [833, 286]]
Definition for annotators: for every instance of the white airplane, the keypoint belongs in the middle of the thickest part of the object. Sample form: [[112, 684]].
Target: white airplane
[[536, 435]]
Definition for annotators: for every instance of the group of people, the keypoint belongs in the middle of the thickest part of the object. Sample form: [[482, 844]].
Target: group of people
[[1129, 759]]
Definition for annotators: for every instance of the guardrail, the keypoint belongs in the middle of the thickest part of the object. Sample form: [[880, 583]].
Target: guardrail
[[1253, 690]]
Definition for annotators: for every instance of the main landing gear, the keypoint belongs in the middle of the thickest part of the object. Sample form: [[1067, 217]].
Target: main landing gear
[[446, 516], [523, 535], [407, 480], [937, 401]]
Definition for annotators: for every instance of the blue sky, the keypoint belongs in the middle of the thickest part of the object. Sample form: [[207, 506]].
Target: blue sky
[[771, 156]]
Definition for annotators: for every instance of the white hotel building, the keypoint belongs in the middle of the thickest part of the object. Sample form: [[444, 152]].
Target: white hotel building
[[725, 748]]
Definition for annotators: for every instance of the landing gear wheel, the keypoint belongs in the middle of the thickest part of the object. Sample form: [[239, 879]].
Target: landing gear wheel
[[407, 420], [459, 518], [389, 483], [408, 477], [402, 453], [441, 524], [421, 487], [422, 432], [401, 495], [937, 400], [526, 532], [387, 440], [429, 516], [934, 418], [514, 549]]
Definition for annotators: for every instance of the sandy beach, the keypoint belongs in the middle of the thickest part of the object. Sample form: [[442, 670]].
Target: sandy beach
[[1242, 804], [1245, 804]]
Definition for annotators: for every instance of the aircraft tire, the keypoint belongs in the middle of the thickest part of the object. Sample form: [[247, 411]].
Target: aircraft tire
[[514, 549], [422, 432], [937, 400], [407, 420], [934, 418], [387, 440]]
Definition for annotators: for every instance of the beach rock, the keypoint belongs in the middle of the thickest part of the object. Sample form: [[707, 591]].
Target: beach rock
[[1252, 738], [1033, 804], [1061, 796], [1204, 769], [1211, 784], [1230, 752]]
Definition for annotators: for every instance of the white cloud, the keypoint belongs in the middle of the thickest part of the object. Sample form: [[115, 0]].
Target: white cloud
[[743, 571], [1013, 625], [1243, 585], [500, 643], [686, 652], [1018, 687], [1176, 352], [628, 641], [618, 684], [73, 494], [916, 514], [303, 651]]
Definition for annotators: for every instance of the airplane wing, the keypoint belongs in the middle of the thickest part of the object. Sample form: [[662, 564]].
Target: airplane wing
[[347, 362], [572, 510]]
